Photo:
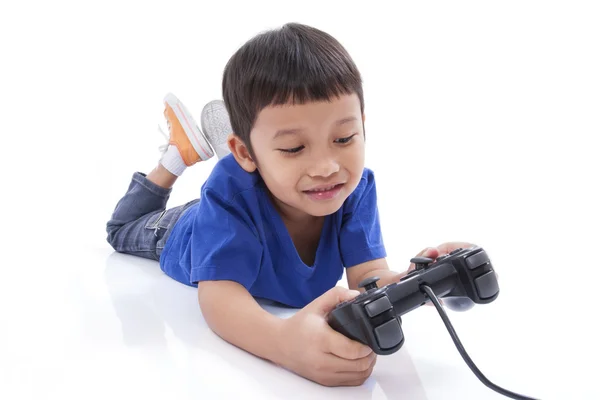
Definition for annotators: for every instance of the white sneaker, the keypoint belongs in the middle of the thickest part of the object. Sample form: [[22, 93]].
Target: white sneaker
[[215, 124]]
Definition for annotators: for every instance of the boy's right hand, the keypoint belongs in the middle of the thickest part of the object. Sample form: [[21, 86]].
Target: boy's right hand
[[312, 349]]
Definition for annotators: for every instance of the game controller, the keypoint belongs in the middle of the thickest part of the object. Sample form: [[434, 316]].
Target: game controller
[[463, 278]]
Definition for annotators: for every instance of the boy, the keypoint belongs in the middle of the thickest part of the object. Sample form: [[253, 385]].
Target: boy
[[282, 215]]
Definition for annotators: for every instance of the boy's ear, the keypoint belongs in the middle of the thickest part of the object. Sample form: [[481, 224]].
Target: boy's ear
[[240, 153]]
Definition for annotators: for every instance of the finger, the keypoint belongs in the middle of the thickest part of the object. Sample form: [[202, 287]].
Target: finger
[[338, 364], [447, 247], [355, 378], [327, 301], [355, 382], [343, 347]]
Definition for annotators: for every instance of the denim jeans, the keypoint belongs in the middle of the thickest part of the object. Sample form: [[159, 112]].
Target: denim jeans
[[141, 224]]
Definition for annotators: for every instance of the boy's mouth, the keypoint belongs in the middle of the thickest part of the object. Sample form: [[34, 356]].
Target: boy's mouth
[[324, 192]]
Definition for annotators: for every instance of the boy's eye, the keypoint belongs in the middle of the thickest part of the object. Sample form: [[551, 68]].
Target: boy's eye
[[345, 140], [295, 150], [292, 151]]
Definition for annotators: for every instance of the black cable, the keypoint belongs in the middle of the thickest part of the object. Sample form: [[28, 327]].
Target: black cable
[[427, 290]]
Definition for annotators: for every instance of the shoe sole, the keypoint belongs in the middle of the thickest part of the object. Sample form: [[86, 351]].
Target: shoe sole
[[194, 134], [222, 129]]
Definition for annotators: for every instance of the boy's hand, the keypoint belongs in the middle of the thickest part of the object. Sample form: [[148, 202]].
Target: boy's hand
[[312, 349], [435, 252]]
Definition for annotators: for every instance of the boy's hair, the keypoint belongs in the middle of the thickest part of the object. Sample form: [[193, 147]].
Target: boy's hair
[[296, 63]]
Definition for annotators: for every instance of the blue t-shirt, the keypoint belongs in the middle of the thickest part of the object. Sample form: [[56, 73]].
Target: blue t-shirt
[[234, 233]]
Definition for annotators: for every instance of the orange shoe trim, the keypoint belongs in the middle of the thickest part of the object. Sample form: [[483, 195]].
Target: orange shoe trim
[[206, 154]]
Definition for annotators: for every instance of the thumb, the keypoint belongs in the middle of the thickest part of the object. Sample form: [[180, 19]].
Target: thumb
[[331, 298]]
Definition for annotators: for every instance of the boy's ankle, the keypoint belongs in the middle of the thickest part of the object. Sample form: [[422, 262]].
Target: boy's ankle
[[162, 177], [172, 161]]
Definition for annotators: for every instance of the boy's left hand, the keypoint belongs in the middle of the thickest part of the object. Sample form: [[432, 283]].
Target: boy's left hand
[[435, 252]]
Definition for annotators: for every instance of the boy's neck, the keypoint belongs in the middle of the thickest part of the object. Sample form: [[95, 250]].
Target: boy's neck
[[292, 215]]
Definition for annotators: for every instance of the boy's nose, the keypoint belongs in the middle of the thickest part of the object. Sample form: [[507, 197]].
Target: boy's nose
[[323, 168]]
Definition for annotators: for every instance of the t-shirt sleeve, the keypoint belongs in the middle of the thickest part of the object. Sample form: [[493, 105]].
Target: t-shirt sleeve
[[225, 243], [360, 233]]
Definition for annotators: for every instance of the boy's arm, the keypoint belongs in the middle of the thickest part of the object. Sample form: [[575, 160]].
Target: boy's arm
[[303, 343], [378, 267], [233, 314]]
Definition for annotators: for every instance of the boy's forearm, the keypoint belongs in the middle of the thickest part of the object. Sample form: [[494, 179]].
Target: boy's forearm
[[233, 314]]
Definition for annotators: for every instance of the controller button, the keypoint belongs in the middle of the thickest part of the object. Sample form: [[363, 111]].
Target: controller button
[[378, 306], [487, 285], [421, 262], [477, 260], [389, 334], [369, 283], [455, 251]]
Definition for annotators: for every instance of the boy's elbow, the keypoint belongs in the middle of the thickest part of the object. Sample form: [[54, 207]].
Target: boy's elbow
[[206, 297]]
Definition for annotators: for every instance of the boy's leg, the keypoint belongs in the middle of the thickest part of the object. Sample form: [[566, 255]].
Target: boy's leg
[[140, 223]]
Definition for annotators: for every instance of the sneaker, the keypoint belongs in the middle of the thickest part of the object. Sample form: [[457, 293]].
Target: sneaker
[[216, 125], [193, 146]]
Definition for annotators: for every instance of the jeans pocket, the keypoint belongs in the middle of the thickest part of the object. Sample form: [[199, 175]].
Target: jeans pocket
[[157, 222], [164, 221]]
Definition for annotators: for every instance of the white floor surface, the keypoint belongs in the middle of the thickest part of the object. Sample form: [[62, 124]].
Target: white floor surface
[[482, 125]]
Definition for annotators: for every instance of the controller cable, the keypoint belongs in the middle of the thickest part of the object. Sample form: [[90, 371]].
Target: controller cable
[[427, 291]]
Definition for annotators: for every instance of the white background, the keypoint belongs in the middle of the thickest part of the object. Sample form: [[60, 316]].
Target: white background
[[482, 125]]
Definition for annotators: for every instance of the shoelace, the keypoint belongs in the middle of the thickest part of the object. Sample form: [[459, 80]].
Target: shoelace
[[163, 147]]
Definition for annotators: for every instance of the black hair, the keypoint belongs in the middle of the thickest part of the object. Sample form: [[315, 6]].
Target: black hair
[[293, 64]]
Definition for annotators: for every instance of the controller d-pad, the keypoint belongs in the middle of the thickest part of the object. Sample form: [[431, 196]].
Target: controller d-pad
[[378, 306], [389, 335], [487, 285], [477, 260]]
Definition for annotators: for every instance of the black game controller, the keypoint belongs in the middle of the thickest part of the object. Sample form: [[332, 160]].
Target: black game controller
[[462, 278]]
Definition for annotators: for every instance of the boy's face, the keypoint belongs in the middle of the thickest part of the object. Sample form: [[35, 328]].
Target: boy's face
[[310, 156]]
